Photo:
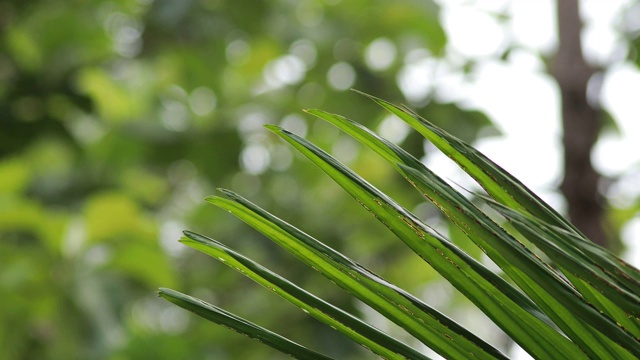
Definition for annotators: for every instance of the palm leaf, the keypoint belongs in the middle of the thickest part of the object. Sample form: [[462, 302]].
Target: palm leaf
[[469, 276], [359, 331], [583, 304], [594, 333], [426, 324], [240, 325], [509, 191]]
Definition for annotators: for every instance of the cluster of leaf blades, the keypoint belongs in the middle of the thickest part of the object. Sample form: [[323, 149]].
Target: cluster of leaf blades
[[584, 303]]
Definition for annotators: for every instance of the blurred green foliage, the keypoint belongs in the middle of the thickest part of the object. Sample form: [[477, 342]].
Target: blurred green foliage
[[117, 118]]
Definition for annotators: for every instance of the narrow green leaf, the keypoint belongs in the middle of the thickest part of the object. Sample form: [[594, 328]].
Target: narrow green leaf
[[603, 303], [509, 191], [359, 331], [594, 283], [596, 334], [423, 322], [506, 189], [233, 322], [473, 279], [529, 340]]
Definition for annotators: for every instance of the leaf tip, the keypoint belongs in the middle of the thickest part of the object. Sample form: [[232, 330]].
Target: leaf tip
[[232, 195], [188, 233], [162, 292], [273, 128]]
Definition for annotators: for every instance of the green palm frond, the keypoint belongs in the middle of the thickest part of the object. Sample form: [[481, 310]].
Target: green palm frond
[[583, 303]]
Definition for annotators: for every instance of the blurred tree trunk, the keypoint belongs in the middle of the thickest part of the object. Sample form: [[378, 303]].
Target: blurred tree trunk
[[581, 125]]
